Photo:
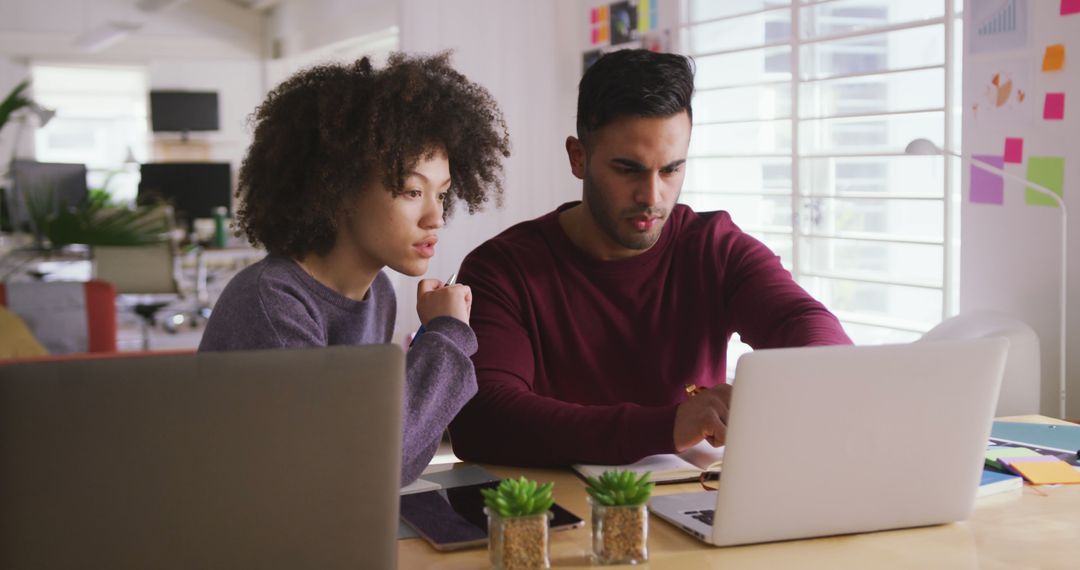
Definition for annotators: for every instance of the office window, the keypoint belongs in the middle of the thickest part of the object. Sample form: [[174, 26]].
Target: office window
[[802, 114], [101, 121]]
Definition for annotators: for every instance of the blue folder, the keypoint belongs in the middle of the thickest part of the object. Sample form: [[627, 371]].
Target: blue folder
[[1062, 437]]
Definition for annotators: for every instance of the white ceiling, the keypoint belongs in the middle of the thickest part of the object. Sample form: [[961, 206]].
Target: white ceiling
[[52, 29]]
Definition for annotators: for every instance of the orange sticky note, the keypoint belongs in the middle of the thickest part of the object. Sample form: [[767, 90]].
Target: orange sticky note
[[1046, 472], [1054, 58]]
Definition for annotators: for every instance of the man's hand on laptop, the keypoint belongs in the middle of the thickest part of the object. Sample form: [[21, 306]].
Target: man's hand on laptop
[[703, 416]]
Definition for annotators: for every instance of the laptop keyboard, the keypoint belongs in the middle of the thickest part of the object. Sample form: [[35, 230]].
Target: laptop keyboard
[[704, 515]]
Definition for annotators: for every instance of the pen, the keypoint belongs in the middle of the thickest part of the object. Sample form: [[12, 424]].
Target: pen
[[420, 331]]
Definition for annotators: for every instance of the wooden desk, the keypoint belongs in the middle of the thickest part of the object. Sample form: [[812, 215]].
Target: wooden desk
[[1009, 530]]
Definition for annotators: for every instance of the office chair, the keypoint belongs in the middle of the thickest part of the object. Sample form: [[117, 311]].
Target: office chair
[[66, 317], [145, 270], [1021, 385]]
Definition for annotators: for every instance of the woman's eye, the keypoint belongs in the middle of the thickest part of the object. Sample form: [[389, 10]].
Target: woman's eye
[[414, 193], [443, 195]]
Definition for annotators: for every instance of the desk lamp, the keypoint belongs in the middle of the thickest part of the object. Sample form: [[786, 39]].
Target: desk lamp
[[926, 147]]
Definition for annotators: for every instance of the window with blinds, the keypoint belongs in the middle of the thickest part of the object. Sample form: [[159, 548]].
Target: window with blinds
[[802, 113], [101, 121]]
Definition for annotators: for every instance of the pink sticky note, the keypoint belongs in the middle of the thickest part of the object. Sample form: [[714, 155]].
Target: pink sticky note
[[596, 35], [1070, 7], [594, 16], [1054, 108], [1014, 150]]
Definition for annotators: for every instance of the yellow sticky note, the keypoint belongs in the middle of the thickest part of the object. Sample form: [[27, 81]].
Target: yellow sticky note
[[1054, 58], [1047, 472]]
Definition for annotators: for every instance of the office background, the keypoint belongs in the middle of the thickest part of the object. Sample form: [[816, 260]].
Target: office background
[[802, 116]]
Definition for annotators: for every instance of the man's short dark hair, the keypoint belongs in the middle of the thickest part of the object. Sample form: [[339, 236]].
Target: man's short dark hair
[[634, 82]]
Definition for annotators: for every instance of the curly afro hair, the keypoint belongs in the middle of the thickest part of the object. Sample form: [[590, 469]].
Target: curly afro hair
[[329, 132]]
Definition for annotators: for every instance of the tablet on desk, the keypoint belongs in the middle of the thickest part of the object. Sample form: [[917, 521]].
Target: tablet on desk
[[451, 519]]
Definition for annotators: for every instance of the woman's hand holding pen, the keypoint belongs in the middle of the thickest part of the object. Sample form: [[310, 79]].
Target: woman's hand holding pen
[[703, 416], [436, 299]]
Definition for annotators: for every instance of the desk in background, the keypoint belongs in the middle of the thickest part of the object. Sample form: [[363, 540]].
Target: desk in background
[[1006, 531]]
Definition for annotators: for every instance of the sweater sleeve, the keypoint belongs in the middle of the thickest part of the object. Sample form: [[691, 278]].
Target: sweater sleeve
[[766, 306], [439, 379], [508, 422]]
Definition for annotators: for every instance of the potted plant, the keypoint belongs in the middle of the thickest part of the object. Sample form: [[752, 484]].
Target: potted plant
[[518, 514], [620, 516]]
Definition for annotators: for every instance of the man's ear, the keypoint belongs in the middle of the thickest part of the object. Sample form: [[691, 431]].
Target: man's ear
[[575, 151]]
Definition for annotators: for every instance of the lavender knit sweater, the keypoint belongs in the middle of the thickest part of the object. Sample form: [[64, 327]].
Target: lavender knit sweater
[[276, 304]]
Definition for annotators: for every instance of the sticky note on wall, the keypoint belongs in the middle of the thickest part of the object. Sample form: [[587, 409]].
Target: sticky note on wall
[[1054, 108], [987, 187], [1054, 58], [1014, 150], [1070, 7], [1048, 171]]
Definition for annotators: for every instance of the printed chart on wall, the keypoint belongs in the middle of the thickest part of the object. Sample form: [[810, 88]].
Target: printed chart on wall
[[1001, 97], [998, 25]]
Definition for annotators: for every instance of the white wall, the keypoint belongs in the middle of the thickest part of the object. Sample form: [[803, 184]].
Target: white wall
[[525, 54], [1010, 257]]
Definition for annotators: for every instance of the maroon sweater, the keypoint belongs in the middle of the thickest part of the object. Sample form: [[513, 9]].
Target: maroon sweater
[[585, 361]]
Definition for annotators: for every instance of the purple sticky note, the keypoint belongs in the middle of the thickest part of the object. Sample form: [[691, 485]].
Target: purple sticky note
[[1054, 109], [1014, 150], [987, 187], [1070, 7]]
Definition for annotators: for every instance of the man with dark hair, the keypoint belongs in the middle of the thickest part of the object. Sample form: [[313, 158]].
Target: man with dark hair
[[593, 319]]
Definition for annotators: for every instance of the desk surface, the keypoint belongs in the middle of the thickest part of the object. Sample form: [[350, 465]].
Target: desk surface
[[1007, 530]]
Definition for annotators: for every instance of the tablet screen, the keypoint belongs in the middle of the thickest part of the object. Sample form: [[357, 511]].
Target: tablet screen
[[454, 518]]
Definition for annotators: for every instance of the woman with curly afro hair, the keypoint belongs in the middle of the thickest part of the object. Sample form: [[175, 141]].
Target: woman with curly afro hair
[[353, 169]]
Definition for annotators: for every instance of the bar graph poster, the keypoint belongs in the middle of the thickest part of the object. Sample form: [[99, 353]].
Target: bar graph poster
[[998, 25]]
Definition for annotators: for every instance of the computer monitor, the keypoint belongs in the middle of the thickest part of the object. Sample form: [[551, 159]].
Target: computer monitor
[[49, 185], [194, 189], [181, 111]]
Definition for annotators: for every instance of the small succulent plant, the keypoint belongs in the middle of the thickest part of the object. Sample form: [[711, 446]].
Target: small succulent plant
[[519, 498], [619, 488]]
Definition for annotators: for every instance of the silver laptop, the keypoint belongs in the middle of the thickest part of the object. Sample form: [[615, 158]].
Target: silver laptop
[[835, 440], [268, 459]]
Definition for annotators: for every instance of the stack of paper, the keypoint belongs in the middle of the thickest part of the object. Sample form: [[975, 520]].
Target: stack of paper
[[1037, 468], [993, 482]]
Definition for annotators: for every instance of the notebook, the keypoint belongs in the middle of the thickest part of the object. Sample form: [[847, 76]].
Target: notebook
[[1065, 438], [1043, 470], [668, 467], [859, 401], [993, 483], [262, 459]]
